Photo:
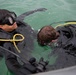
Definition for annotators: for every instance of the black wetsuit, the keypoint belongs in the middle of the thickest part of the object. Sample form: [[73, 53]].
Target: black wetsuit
[[65, 49], [14, 66], [3, 35], [11, 60]]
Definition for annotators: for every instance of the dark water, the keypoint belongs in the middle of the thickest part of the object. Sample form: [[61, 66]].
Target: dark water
[[57, 10]]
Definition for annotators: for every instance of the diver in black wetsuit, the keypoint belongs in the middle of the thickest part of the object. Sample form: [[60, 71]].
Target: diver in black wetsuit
[[63, 41], [9, 23], [62, 35]]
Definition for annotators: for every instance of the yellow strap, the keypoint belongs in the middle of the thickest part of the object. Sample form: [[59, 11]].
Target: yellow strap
[[14, 40], [65, 24]]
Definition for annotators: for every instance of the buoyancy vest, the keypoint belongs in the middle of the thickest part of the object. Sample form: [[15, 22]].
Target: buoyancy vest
[[67, 39], [65, 48]]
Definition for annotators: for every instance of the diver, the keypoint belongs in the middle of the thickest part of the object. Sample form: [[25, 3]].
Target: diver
[[63, 36], [46, 35], [9, 24]]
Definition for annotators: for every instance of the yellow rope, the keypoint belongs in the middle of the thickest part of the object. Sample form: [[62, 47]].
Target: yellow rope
[[65, 24], [14, 40]]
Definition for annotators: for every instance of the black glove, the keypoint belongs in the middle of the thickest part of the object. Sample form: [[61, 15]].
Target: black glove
[[40, 66], [30, 67]]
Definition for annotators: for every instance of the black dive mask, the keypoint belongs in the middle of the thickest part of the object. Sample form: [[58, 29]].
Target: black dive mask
[[10, 19]]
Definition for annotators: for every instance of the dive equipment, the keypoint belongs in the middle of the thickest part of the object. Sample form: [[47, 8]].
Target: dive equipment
[[14, 40], [40, 66]]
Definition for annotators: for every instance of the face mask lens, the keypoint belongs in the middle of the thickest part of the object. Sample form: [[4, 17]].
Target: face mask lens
[[10, 20]]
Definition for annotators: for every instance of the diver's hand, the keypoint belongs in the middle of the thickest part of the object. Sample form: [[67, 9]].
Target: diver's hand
[[41, 9], [29, 67], [40, 66]]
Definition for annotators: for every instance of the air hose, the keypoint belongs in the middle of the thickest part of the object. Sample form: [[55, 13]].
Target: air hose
[[65, 24], [14, 40]]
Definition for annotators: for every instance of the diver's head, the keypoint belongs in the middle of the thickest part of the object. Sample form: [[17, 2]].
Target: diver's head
[[7, 20], [46, 35]]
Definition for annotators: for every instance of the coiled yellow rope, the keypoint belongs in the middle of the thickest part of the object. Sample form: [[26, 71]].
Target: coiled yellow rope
[[14, 40]]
